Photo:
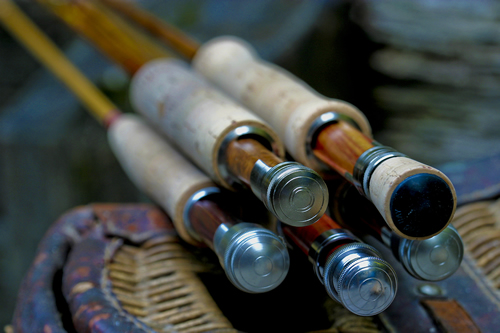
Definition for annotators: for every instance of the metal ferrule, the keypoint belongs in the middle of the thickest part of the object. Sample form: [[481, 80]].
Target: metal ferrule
[[367, 163], [295, 194], [357, 277], [235, 134], [319, 123], [197, 196], [255, 259], [260, 177], [323, 243], [432, 259]]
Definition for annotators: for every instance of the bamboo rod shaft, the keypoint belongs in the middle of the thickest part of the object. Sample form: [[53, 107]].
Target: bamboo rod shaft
[[349, 143], [169, 34], [116, 38], [241, 156], [304, 237], [339, 145], [205, 216], [49, 54]]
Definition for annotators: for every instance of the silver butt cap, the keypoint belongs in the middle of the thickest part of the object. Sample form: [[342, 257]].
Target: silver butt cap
[[435, 258], [295, 194], [255, 259], [358, 278]]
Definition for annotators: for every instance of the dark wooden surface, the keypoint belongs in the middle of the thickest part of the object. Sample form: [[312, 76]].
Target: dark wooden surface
[[304, 237], [205, 217], [353, 211]]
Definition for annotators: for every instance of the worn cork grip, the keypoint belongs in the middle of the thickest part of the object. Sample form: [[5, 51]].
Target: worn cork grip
[[156, 168], [288, 104], [416, 200], [191, 113]]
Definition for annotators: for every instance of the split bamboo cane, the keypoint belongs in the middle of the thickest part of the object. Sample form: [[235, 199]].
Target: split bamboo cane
[[416, 200], [202, 122], [22, 28], [165, 175]]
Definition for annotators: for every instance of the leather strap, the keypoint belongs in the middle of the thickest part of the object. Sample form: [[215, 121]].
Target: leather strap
[[450, 316]]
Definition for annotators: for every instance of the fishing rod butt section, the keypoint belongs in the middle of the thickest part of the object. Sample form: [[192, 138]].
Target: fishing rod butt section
[[356, 275], [295, 194], [199, 120], [255, 259], [353, 273], [416, 200], [157, 169], [236, 148], [430, 259]]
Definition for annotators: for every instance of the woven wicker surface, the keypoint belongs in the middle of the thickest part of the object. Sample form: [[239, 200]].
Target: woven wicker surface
[[164, 286], [345, 321], [479, 225], [157, 283]]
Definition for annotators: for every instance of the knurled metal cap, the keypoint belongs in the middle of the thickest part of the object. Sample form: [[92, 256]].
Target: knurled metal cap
[[435, 258], [358, 278], [255, 260], [295, 194]]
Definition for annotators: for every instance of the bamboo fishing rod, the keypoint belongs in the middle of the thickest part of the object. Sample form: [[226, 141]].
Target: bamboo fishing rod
[[207, 126], [108, 32], [417, 201], [21, 27], [353, 272], [255, 260], [189, 197], [169, 34], [431, 259]]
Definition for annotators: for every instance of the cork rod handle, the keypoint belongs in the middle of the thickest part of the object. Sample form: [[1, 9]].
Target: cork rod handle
[[156, 168], [195, 116], [288, 104], [416, 200]]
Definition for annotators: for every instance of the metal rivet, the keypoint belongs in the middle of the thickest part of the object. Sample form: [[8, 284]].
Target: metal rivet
[[430, 290]]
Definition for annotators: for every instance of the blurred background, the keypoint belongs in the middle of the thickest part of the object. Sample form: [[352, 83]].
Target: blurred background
[[425, 73]]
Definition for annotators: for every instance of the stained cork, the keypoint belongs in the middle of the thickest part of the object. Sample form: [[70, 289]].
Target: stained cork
[[193, 115], [157, 168], [288, 104]]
